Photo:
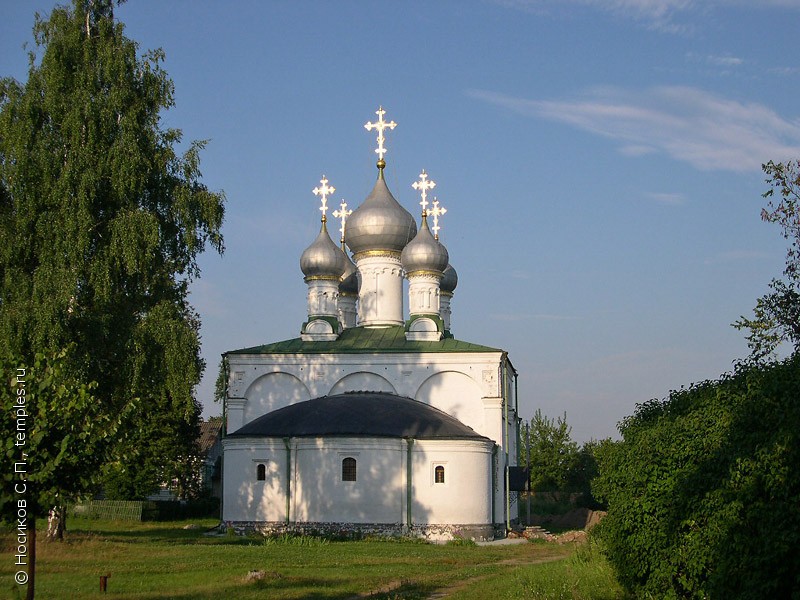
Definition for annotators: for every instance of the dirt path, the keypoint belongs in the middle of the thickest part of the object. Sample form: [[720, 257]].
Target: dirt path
[[448, 591]]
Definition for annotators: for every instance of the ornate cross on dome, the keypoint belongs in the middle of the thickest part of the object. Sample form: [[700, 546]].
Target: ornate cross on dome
[[342, 214], [324, 191], [423, 185], [380, 125], [437, 211]]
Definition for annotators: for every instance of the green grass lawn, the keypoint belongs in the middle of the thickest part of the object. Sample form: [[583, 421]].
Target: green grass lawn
[[162, 560]]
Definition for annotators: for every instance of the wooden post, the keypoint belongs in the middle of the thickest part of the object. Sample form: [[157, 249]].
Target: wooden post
[[528, 483]]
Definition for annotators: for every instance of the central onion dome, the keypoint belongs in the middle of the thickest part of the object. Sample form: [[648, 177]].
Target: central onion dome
[[424, 252], [323, 259], [380, 223]]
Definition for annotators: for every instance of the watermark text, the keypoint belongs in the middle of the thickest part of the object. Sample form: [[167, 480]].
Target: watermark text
[[22, 426]]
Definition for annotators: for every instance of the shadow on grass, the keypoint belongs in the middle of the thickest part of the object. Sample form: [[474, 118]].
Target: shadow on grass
[[159, 534], [306, 588]]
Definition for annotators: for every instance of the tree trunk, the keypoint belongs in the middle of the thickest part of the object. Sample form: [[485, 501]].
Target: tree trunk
[[56, 523]]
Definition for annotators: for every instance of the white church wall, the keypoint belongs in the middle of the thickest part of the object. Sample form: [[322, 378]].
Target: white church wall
[[245, 498], [312, 376], [273, 391], [376, 496], [464, 497], [456, 394]]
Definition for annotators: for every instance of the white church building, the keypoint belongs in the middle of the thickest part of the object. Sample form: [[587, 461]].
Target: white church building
[[373, 420]]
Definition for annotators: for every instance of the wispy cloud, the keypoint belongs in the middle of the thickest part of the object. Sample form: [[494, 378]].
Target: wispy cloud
[[714, 60], [657, 15], [686, 123], [531, 317], [666, 198], [737, 256], [785, 71], [724, 61], [668, 16]]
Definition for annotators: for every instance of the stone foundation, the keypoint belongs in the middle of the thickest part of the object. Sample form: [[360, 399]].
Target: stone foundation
[[432, 533]]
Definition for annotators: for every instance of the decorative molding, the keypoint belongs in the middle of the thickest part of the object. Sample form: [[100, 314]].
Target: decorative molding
[[434, 276], [376, 254]]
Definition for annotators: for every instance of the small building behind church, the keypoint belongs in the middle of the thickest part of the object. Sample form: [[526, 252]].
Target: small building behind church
[[373, 419]]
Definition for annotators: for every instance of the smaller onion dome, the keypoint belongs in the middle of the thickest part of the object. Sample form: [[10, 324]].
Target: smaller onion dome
[[380, 223], [349, 283], [449, 280], [323, 258], [424, 252]]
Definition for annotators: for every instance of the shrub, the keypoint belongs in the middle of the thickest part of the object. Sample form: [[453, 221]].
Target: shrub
[[702, 490]]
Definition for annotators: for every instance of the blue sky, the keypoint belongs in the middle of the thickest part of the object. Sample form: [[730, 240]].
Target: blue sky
[[599, 160]]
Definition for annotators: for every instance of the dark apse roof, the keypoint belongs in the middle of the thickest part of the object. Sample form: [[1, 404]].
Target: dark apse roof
[[377, 414], [361, 340]]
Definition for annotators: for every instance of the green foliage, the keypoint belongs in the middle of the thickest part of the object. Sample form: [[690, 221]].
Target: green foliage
[[586, 470], [776, 319], [221, 384], [702, 490], [785, 178], [557, 464], [124, 480], [101, 224], [553, 454], [777, 314], [66, 435]]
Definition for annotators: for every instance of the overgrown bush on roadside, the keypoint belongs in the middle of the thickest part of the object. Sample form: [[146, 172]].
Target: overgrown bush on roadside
[[703, 489]]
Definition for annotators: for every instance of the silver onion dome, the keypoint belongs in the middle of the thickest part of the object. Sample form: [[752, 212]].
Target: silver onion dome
[[449, 280], [380, 223], [424, 252], [349, 283], [323, 258]]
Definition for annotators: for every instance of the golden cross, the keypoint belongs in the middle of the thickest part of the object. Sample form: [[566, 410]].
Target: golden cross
[[380, 125], [324, 191], [423, 185], [342, 214], [437, 211]]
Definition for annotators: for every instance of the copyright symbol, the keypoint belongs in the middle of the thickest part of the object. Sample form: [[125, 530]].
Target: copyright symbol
[[21, 577]]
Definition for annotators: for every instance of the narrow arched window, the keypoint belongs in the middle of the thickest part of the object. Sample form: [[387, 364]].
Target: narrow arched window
[[349, 469], [438, 474], [261, 472]]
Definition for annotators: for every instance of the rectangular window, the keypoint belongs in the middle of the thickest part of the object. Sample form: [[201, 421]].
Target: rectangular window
[[438, 474], [349, 469]]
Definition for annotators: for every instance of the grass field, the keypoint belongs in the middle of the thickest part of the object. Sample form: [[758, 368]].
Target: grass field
[[148, 561]]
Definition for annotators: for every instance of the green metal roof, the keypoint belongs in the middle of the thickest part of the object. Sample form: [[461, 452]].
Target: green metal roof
[[366, 340]]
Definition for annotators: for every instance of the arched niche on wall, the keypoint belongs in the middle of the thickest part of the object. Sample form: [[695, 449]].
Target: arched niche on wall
[[271, 392], [362, 381], [456, 394]]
